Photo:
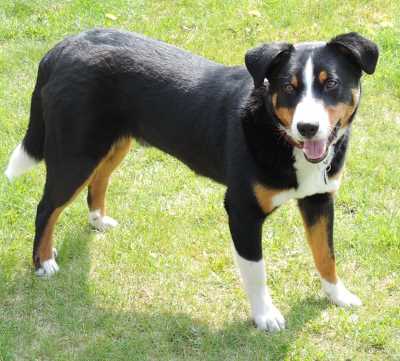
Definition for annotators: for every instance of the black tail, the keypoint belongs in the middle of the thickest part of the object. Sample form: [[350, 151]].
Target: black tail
[[33, 141]]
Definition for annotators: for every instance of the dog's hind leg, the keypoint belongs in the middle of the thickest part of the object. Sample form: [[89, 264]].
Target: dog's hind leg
[[64, 181], [99, 182]]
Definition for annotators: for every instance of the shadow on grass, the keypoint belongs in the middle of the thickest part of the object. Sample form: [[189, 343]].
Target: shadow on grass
[[59, 319]]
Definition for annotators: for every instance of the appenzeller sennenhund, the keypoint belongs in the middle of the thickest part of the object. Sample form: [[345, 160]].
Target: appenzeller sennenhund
[[275, 129]]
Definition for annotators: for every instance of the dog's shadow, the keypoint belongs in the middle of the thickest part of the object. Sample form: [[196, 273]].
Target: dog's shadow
[[63, 314]]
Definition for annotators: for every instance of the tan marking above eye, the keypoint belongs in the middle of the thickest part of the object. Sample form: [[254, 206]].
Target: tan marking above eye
[[323, 75], [264, 197]]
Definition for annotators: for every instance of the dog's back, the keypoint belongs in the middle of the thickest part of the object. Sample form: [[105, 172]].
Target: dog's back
[[102, 85]]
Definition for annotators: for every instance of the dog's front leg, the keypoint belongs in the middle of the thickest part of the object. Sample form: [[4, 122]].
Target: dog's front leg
[[318, 214], [245, 226]]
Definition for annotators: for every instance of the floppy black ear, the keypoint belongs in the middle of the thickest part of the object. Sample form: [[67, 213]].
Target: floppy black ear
[[363, 51], [261, 59]]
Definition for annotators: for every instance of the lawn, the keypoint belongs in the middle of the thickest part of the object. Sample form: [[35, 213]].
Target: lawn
[[163, 286]]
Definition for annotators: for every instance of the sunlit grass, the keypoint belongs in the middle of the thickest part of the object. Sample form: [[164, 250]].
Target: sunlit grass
[[163, 286]]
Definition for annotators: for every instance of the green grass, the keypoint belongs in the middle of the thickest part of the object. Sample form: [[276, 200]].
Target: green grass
[[163, 286]]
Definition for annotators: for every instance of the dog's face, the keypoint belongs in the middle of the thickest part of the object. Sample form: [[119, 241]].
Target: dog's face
[[314, 88]]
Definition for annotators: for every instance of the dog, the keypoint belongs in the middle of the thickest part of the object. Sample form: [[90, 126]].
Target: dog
[[275, 129]]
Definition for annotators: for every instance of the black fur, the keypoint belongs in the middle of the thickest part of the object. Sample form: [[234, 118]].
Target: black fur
[[261, 60], [363, 51]]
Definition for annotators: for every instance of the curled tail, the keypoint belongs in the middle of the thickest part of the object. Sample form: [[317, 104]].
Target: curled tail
[[30, 151]]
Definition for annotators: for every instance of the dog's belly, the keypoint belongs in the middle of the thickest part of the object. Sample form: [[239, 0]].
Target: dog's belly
[[311, 179]]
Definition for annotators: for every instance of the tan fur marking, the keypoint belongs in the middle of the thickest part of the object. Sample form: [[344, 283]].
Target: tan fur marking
[[317, 237], [100, 179], [323, 75], [343, 111], [294, 81], [285, 115], [264, 197], [274, 98]]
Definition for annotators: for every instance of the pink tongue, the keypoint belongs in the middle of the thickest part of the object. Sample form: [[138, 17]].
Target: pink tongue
[[314, 149]]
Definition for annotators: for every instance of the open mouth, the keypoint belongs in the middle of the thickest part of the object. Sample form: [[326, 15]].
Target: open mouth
[[315, 151]]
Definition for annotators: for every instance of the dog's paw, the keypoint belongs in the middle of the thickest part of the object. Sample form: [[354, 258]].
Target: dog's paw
[[101, 223], [272, 320], [48, 268], [339, 295]]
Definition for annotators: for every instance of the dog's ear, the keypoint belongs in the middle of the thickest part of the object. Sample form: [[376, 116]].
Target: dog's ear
[[259, 61], [363, 51]]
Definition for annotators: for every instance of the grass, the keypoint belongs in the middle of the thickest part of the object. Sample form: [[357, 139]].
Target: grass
[[163, 286]]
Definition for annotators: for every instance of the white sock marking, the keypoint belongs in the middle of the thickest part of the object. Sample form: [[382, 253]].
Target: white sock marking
[[339, 294], [19, 163], [264, 313], [101, 223], [48, 268]]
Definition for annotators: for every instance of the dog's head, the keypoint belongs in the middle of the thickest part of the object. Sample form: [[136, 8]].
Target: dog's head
[[313, 88]]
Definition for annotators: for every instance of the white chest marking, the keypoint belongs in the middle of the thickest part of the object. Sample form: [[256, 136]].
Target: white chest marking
[[311, 179]]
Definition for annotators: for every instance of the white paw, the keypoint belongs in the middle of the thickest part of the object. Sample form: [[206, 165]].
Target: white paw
[[101, 223], [48, 268], [339, 295], [272, 320]]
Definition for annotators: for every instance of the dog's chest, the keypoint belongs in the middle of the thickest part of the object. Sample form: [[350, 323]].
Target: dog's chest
[[311, 179]]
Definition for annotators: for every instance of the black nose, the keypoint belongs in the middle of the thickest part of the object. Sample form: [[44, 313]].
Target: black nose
[[307, 130]]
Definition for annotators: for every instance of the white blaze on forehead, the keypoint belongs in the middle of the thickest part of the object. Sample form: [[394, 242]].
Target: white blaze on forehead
[[310, 110], [308, 77]]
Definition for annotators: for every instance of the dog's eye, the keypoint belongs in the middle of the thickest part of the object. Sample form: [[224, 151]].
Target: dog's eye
[[288, 88], [331, 84]]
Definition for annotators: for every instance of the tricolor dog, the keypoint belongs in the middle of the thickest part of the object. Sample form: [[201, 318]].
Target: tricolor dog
[[273, 130]]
